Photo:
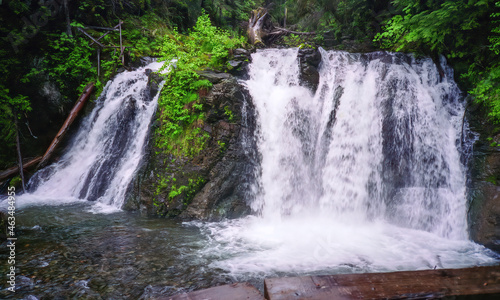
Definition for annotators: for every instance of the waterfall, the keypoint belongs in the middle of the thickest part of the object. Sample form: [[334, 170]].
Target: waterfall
[[380, 139], [363, 175], [103, 157]]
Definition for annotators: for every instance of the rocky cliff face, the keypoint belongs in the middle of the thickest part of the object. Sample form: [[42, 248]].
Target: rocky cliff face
[[484, 180], [213, 183]]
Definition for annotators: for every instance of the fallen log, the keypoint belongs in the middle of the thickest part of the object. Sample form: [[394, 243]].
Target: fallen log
[[69, 120], [259, 20], [261, 29], [5, 174]]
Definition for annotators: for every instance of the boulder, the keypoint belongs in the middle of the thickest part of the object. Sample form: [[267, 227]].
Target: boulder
[[213, 183], [309, 60]]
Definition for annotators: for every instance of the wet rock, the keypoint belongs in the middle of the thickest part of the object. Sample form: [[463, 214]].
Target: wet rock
[[309, 60], [155, 292], [484, 184], [154, 81], [241, 51], [214, 77], [213, 183], [239, 62], [3, 225], [235, 64], [23, 282]]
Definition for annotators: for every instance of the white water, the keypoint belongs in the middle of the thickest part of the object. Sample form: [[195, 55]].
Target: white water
[[365, 175], [106, 151]]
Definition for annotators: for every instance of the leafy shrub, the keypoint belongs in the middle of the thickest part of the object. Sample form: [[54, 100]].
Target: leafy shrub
[[206, 46]]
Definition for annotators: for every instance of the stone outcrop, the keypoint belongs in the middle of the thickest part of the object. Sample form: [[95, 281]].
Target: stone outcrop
[[484, 183], [309, 60], [213, 183]]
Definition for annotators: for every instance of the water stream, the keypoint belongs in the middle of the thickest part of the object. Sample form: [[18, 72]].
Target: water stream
[[365, 175], [102, 159]]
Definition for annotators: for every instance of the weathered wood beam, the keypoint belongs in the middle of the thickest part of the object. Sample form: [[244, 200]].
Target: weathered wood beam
[[10, 172], [105, 34], [395, 285], [90, 37], [223, 292], [101, 28], [69, 120]]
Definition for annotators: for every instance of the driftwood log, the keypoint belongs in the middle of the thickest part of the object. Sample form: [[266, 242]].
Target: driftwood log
[[5, 174], [262, 31], [69, 120], [42, 160]]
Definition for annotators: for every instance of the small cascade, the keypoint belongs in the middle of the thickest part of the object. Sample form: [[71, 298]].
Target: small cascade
[[103, 157]]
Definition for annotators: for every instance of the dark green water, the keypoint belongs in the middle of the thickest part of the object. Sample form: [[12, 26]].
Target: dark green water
[[65, 252]]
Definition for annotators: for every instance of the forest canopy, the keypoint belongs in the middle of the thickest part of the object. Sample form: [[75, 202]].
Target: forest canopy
[[46, 61]]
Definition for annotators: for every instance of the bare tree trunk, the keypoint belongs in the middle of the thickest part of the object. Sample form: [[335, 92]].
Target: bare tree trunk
[[261, 30], [68, 22], [258, 26], [19, 157], [14, 170]]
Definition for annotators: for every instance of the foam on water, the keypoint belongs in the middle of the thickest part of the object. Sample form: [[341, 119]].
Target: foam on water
[[363, 175]]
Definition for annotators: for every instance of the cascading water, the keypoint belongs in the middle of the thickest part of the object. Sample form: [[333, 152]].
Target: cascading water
[[364, 175], [100, 162]]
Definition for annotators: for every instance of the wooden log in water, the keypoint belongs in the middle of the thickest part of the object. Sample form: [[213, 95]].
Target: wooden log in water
[[5, 174], [235, 291], [427, 284], [69, 120]]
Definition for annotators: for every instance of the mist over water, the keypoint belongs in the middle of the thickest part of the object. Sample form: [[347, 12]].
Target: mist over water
[[363, 175]]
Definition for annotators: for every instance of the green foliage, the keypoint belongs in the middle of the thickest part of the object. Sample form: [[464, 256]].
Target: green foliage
[[491, 179], [442, 26], [229, 113], [175, 191], [13, 104], [68, 64], [292, 40], [181, 112], [187, 191], [466, 31], [230, 13], [145, 33], [352, 19], [222, 146]]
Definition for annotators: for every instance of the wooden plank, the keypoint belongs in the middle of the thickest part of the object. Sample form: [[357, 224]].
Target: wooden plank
[[240, 291], [105, 34], [101, 28], [408, 284], [90, 37]]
